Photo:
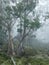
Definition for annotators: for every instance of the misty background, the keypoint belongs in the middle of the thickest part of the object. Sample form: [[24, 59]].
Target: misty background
[[42, 9], [24, 32]]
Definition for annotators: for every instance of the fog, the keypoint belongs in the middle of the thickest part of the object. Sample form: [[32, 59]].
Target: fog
[[24, 32], [42, 33]]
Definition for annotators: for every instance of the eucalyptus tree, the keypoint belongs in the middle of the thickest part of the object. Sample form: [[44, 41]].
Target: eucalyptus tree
[[21, 11], [26, 25], [7, 21]]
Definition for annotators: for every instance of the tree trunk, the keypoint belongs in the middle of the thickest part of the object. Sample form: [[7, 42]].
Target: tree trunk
[[12, 59], [10, 45], [20, 49]]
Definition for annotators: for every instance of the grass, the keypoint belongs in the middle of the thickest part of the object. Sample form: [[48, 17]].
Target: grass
[[24, 61]]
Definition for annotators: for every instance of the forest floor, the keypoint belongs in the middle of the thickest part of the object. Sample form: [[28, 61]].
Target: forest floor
[[32, 60]]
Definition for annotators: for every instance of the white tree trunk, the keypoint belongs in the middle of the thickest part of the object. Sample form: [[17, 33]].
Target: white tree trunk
[[14, 63]]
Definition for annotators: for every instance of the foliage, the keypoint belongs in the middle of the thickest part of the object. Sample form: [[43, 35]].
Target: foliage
[[8, 18], [25, 61]]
